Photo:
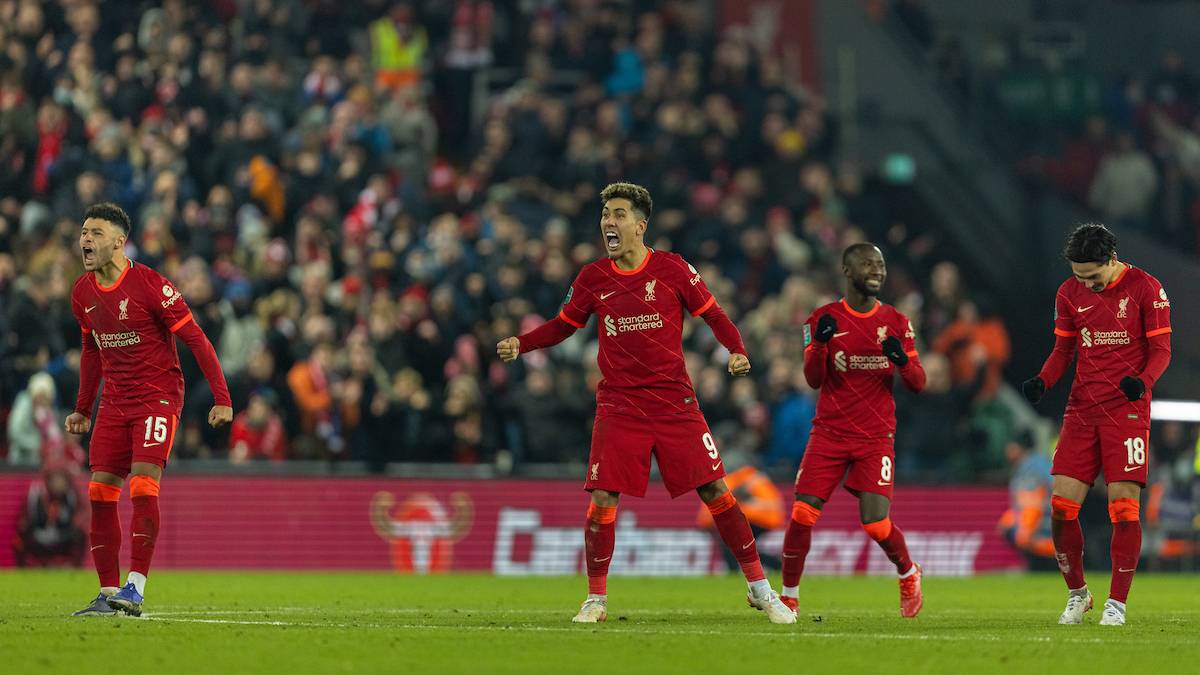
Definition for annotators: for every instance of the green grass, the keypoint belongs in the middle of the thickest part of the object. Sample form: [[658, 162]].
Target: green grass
[[343, 622]]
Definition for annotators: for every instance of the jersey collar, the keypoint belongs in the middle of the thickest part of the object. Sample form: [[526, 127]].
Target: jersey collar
[[645, 261], [861, 315], [1119, 276], [121, 278]]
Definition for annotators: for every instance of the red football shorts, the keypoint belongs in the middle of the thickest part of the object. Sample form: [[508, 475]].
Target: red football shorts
[[622, 444], [118, 442], [871, 463], [1084, 449]]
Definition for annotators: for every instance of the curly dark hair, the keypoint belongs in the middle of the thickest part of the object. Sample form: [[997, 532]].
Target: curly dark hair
[[637, 195], [110, 212], [1090, 243]]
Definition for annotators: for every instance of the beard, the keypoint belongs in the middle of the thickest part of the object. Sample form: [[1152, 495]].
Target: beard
[[860, 285]]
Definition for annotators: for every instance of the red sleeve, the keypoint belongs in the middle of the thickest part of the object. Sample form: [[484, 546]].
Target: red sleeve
[[548, 334], [1160, 357], [1060, 359], [202, 349], [577, 308], [727, 334], [696, 297], [89, 374], [814, 355], [912, 374]]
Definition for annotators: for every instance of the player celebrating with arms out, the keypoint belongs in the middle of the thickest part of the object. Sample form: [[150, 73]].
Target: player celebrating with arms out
[[130, 316], [1118, 319], [852, 348], [646, 403]]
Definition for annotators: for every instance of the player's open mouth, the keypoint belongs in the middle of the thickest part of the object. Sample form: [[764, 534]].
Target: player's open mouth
[[612, 241], [89, 256]]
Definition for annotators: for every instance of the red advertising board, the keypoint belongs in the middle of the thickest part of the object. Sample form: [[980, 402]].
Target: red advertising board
[[512, 527]]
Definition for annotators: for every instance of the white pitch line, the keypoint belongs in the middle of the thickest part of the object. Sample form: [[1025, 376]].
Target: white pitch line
[[540, 629]]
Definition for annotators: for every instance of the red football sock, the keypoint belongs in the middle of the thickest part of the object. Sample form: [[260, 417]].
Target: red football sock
[[797, 541], [106, 533], [144, 529], [1068, 540], [735, 532], [1126, 545], [891, 540], [599, 539]]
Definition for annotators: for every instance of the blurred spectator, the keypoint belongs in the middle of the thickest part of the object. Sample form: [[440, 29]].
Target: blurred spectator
[[972, 342], [257, 431], [35, 428], [50, 528], [1125, 184], [1026, 523]]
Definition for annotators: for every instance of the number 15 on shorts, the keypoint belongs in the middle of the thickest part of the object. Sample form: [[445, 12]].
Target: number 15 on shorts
[[156, 430]]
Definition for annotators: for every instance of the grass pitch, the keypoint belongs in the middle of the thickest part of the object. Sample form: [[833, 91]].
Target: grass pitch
[[359, 622]]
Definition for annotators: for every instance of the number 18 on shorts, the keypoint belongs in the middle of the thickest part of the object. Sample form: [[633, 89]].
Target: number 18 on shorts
[[1084, 449]]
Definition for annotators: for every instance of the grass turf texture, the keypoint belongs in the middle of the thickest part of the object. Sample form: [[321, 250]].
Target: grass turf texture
[[344, 622]]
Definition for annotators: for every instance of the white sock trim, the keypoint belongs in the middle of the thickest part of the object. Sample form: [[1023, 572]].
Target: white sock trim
[[139, 582], [109, 591], [594, 596], [791, 592], [760, 587], [1079, 591], [910, 572]]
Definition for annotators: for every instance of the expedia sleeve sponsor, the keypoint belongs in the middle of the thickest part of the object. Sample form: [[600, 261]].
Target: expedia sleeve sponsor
[[110, 340]]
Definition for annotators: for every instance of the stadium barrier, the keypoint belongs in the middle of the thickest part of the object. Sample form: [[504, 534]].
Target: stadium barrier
[[514, 527]]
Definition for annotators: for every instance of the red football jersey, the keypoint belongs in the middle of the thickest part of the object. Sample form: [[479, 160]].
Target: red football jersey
[[641, 330], [1111, 330], [134, 323], [855, 399]]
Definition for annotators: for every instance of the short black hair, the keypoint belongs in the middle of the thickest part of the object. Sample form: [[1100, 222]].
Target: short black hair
[[110, 212], [637, 195], [1090, 243], [855, 248]]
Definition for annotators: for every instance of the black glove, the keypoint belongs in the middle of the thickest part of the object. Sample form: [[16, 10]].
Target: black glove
[[1133, 387], [894, 351], [1033, 389], [826, 327]]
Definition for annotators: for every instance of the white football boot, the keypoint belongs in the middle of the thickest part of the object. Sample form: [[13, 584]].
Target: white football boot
[[1076, 606], [1114, 613], [769, 602], [593, 610]]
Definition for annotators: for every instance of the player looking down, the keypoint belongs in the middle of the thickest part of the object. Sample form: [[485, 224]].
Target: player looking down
[[1117, 319], [646, 403], [130, 316], [852, 348]]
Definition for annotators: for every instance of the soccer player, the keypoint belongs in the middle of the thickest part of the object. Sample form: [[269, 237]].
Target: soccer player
[[130, 316], [645, 403], [852, 348], [1118, 319]]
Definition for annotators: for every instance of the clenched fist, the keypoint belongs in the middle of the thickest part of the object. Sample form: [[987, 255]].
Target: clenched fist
[[739, 365], [509, 349]]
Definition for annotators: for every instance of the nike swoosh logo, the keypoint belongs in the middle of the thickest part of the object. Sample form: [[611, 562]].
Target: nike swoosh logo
[[148, 445], [845, 332], [747, 546], [790, 556], [98, 546], [138, 534], [1081, 310], [716, 465], [1132, 468], [884, 482], [601, 559], [1125, 570], [605, 295], [89, 309]]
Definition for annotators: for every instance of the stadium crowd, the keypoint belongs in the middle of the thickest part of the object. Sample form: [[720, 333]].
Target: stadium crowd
[[355, 221]]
